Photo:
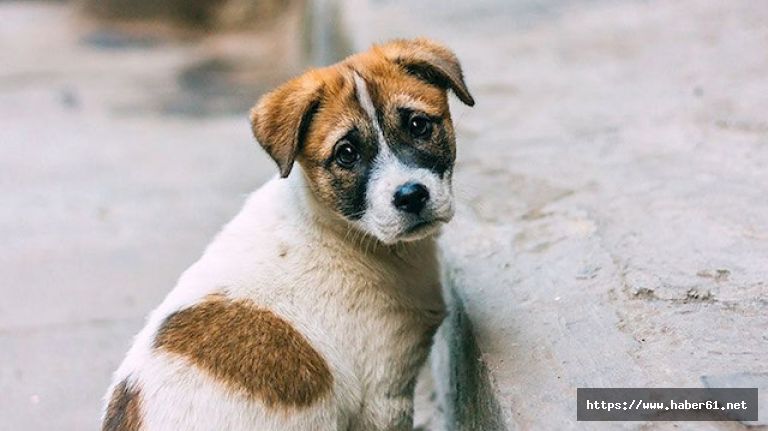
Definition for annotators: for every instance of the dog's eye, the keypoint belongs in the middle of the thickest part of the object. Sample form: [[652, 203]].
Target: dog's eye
[[420, 126], [346, 154]]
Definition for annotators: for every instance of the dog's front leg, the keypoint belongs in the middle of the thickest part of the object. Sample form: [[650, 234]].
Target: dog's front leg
[[386, 413]]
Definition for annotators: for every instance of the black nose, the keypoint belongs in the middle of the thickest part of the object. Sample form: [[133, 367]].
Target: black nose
[[411, 197]]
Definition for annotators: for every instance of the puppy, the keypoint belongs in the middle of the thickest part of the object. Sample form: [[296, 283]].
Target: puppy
[[315, 307]]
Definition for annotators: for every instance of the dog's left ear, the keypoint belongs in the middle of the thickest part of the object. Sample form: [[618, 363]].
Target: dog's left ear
[[280, 120], [431, 62]]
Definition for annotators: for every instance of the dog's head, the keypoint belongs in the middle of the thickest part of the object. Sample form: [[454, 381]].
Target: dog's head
[[373, 135]]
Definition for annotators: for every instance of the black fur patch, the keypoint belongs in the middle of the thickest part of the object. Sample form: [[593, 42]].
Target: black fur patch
[[351, 184], [433, 153]]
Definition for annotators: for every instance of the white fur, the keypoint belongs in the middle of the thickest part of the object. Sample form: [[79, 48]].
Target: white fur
[[381, 218], [368, 309]]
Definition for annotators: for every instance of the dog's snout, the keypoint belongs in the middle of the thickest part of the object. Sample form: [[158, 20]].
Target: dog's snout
[[411, 197]]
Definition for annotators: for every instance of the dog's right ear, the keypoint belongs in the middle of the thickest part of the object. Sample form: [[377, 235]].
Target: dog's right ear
[[281, 118]]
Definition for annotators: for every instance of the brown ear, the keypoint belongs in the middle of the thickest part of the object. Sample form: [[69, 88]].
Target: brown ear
[[431, 62], [280, 120]]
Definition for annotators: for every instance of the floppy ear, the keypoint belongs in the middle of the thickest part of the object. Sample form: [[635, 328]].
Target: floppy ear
[[431, 62], [280, 120]]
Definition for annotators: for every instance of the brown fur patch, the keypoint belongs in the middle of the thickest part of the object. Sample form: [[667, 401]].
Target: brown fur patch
[[249, 349], [338, 113], [123, 410], [429, 61], [280, 119]]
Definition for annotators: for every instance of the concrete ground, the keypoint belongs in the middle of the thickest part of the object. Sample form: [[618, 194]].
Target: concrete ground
[[121, 154], [613, 223]]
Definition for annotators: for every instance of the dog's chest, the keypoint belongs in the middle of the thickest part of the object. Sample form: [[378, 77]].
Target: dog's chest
[[391, 348], [388, 315]]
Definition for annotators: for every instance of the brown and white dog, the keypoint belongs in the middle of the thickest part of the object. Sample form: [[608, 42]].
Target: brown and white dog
[[315, 307]]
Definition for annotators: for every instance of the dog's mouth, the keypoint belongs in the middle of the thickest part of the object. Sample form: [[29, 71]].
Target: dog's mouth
[[421, 228]]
